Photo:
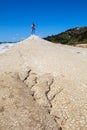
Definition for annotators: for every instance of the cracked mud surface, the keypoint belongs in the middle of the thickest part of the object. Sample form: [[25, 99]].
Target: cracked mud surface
[[60, 97], [18, 110]]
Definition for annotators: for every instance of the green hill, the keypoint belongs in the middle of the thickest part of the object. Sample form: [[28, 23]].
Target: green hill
[[73, 36]]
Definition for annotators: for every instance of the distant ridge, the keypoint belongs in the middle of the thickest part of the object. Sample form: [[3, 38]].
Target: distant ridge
[[72, 36], [5, 47]]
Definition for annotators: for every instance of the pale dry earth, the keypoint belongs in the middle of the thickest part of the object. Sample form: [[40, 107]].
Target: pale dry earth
[[43, 86]]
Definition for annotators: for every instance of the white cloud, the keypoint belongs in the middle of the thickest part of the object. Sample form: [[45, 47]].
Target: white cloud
[[22, 38], [16, 37]]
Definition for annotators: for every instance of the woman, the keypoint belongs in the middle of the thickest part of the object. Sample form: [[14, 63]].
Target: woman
[[33, 28]]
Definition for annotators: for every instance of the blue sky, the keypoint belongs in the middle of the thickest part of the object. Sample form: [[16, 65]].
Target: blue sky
[[50, 17]]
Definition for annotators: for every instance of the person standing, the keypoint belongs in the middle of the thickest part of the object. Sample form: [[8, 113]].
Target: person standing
[[33, 28]]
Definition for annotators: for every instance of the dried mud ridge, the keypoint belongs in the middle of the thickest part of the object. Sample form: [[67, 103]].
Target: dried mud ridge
[[49, 93], [18, 110], [57, 95], [40, 89]]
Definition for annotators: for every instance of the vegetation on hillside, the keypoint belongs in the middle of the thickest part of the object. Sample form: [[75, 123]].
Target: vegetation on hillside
[[72, 36]]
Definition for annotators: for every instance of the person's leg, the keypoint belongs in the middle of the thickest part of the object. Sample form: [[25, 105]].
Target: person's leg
[[33, 31]]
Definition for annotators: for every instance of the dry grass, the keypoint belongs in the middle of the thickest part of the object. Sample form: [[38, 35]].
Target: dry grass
[[82, 45]]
